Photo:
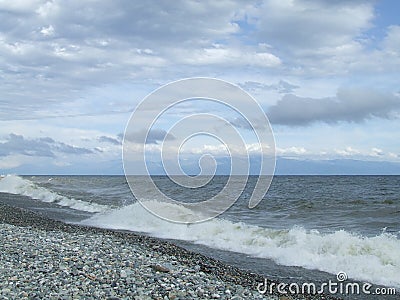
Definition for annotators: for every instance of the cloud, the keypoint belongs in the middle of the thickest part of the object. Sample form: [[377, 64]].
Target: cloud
[[282, 86], [219, 55], [65, 148], [325, 37], [377, 152], [291, 151], [153, 136], [42, 147], [242, 123], [307, 26], [51, 51], [19, 6], [348, 105], [111, 140], [392, 39], [68, 65], [11, 161], [348, 151], [17, 144]]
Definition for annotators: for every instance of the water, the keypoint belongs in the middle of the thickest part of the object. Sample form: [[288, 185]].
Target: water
[[306, 228]]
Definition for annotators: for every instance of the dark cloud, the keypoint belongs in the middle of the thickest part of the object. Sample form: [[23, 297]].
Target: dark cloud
[[44, 147], [65, 148], [348, 106], [17, 144], [154, 136]]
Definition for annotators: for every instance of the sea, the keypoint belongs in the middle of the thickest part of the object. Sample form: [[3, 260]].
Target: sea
[[306, 228]]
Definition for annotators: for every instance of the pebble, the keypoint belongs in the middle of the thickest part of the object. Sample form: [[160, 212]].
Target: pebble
[[61, 277], [123, 274], [42, 258], [159, 268]]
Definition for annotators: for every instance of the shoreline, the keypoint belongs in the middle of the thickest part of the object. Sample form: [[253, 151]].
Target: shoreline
[[150, 268]]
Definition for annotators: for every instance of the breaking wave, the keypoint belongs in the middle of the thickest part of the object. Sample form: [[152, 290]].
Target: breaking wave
[[373, 259], [13, 184]]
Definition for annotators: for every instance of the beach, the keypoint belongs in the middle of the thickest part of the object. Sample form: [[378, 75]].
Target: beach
[[46, 259], [42, 258]]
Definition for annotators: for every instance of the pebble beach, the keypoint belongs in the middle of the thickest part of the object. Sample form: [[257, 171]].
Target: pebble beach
[[41, 258]]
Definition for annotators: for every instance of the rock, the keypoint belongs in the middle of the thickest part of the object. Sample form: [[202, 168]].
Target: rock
[[160, 268], [123, 274], [171, 296]]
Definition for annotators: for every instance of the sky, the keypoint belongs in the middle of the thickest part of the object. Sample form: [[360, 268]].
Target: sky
[[326, 73]]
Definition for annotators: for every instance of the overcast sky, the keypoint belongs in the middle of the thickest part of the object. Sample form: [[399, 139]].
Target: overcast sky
[[326, 73]]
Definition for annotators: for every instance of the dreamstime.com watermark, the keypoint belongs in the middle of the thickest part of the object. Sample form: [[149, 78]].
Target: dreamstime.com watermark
[[339, 287]]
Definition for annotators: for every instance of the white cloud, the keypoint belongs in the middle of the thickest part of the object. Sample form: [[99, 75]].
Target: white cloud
[[348, 151], [13, 161], [376, 152], [392, 40], [219, 55], [209, 149], [47, 9], [47, 31], [291, 151]]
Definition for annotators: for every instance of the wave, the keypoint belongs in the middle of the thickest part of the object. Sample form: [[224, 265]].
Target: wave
[[373, 259], [14, 184]]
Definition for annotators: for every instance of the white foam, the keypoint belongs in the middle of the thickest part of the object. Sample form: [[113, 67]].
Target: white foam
[[17, 185], [372, 259]]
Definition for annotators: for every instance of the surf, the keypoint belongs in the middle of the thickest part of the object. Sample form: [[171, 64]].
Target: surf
[[17, 185], [372, 259]]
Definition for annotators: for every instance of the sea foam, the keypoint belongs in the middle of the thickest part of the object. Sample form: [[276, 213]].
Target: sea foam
[[372, 259], [14, 184]]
